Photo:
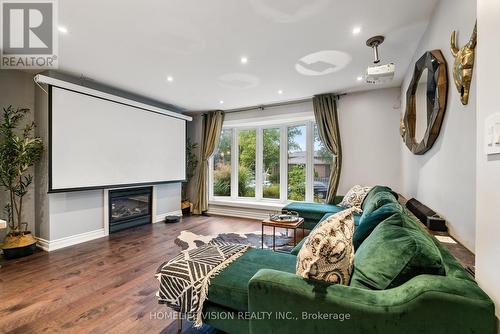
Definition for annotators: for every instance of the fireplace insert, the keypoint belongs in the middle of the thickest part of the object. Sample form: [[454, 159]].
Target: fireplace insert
[[129, 208]]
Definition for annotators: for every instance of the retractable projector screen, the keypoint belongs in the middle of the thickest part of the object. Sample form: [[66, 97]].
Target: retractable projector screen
[[98, 143]]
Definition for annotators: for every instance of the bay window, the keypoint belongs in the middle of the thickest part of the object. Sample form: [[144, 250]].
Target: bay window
[[270, 163]]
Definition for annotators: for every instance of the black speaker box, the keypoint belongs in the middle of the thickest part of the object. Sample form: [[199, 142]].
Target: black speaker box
[[427, 216], [436, 223], [420, 210]]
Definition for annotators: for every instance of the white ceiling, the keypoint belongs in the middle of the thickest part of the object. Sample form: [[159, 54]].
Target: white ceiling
[[135, 45]]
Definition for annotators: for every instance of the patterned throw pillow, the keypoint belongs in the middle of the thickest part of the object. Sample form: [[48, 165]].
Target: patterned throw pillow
[[328, 253], [355, 197]]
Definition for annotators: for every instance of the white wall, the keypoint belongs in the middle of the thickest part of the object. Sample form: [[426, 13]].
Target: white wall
[[488, 168], [369, 130], [168, 200], [75, 213], [17, 89], [443, 178]]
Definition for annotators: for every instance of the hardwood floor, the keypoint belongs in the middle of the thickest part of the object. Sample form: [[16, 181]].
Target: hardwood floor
[[102, 286]]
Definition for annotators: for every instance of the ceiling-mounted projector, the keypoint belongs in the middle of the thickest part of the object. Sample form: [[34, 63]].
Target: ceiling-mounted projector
[[378, 73]]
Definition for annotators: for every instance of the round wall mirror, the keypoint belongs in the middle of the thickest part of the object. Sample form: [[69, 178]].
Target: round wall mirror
[[425, 102]]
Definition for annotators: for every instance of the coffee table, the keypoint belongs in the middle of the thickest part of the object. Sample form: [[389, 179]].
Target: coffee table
[[286, 225]]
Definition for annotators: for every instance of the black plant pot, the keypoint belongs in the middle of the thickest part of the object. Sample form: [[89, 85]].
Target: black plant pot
[[12, 253]]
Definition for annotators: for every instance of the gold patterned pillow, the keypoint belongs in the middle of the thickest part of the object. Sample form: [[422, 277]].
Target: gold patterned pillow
[[328, 253], [355, 197]]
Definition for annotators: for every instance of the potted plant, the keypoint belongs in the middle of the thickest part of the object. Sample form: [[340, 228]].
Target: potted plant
[[191, 163], [19, 150]]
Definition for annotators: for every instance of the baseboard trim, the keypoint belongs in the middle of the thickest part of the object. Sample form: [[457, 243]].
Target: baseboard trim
[[161, 217], [52, 245], [238, 212]]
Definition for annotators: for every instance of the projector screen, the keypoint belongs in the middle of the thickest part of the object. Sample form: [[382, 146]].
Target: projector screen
[[98, 143]]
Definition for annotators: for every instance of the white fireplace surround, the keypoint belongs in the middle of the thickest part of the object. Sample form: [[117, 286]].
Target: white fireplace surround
[[79, 208]]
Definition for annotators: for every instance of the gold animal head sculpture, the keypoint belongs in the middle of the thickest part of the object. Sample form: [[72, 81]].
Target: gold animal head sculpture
[[464, 64]]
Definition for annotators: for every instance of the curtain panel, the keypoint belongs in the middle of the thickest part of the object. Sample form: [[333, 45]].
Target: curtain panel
[[211, 129], [325, 113]]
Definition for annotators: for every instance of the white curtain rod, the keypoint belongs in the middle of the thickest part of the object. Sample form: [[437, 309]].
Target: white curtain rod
[[272, 105]]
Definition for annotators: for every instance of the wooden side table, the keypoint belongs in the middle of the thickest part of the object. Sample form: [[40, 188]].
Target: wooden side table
[[287, 225]]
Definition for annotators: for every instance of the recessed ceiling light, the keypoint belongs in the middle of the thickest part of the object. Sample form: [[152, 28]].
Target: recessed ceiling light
[[244, 60], [280, 92], [359, 78], [62, 29], [221, 102], [356, 30], [170, 78]]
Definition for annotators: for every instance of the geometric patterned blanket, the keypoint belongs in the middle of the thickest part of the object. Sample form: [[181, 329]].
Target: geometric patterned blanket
[[184, 280]]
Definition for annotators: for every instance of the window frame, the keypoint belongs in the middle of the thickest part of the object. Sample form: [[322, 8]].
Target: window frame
[[259, 154]]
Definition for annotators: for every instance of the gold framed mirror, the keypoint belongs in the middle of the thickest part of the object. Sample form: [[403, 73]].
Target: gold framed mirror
[[425, 102]]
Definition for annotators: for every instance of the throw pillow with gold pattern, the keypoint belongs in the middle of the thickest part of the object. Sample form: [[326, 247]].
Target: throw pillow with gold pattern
[[355, 197], [328, 253]]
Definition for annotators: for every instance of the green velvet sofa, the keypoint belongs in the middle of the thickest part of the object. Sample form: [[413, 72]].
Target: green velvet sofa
[[313, 213], [260, 292]]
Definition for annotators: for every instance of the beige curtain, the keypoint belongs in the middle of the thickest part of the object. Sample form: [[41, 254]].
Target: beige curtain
[[211, 129], [325, 112]]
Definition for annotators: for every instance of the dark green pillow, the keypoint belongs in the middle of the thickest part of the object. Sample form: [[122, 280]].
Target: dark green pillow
[[392, 255], [378, 196], [369, 221]]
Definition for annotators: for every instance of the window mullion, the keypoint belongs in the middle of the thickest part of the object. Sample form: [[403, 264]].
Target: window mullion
[[283, 163], [309, 162], [259, 156], [234, 164]]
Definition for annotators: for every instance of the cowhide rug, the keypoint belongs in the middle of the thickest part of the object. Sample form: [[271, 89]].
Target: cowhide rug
[[189, 240]]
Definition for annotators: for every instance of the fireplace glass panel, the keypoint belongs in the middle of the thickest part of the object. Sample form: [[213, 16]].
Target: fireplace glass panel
[[129, 208]]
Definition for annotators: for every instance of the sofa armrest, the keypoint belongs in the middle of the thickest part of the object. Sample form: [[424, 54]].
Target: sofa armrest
[[288, 303]]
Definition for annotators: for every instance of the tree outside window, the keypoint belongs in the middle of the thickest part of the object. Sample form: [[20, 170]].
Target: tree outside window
[[247, 141], [297, 163], [271, 163]]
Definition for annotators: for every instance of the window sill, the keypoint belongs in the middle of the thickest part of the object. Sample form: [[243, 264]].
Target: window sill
[[262, 205]]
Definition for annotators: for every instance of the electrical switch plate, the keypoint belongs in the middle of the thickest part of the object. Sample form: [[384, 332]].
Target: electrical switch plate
[[492, 134]]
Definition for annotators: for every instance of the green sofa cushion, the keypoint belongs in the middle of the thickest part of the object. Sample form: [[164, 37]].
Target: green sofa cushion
[[378, 200], [374, 199], [230, 287], [312, 211], [393, 254], [369, 221]]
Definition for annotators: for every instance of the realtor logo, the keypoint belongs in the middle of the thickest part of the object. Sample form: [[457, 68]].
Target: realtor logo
[[29, 34]]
